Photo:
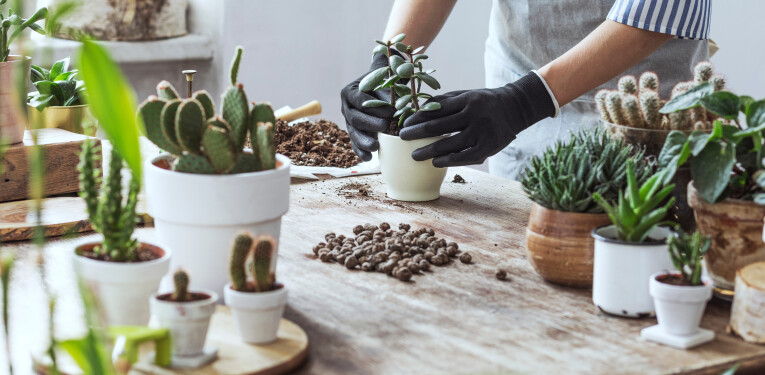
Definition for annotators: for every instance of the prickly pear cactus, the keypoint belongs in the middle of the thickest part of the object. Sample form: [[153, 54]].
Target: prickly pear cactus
[[218, 147], [237, 264], [181, 291], [261, 263]]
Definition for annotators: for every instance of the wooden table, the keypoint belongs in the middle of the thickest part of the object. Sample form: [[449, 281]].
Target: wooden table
[[457, 319]]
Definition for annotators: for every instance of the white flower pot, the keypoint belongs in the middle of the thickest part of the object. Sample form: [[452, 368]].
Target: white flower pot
[[187, 321], [679, 308], [407, 179], [199, 215], [621, 271], [123, 289], [257, 315]]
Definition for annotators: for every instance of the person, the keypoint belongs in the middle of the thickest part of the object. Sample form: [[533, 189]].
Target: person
[[544, 61]]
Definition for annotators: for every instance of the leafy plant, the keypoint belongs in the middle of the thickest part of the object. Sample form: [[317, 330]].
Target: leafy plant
[[56, 87], [12, 25], [686, 251], [565, 177], [404, 66], [638, 210]]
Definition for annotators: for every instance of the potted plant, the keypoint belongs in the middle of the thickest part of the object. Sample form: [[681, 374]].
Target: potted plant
[[723, 166], [628, 252], [208, 187], [59, 99], [561, 182], [680, 297], [11, 26], [187, 315], [123, 272], [405, 179], [258, 306]]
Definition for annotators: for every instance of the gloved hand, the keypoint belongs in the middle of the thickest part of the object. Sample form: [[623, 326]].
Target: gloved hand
[[485, 121], [364, 123]]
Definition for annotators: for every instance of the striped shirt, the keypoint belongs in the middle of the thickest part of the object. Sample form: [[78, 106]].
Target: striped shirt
[[685, 19]]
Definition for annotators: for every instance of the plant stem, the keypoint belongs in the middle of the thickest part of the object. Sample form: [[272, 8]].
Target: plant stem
[[390, 74], [413, 85]]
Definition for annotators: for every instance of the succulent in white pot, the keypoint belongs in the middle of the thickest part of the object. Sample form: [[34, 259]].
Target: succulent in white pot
[[257, 305]]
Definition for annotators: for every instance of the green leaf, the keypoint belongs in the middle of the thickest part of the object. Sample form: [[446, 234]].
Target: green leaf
[[673, 146], [372, 79], [67, 89], [379, 49], [38, 74], [58, 68], [403, 101], [432, 106], [405, 70], [380, 42], [689, 99], [429, 80], [388, 82], [67, 76], [408, 111], [711, 169], [395, 61], [401, 111], [44, 87], [40, 102], [374, 103], [697, 141], [55, 90], [401, 47], [755, 114], [420, 57], [402, 90], [418, 49], [746, 101], [723, 104], [398, 38]]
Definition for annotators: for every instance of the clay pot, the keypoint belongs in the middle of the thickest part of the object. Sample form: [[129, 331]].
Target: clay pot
[[560, 246], [735, 227], [406, 179], [11, 115]]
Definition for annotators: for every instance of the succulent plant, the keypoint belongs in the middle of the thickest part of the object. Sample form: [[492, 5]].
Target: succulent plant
[[686, 251], [181, 282], [12, 25], [263, 252], [261, 263], [566, 175], [57, 87], [206, 143], [237, 264]]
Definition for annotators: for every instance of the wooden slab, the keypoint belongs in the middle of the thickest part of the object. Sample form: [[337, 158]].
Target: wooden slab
[[62, 150]]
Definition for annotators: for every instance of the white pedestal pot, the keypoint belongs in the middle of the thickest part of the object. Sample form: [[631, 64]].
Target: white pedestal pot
[[621, 271], [407, 179], [199, 215], [257, 315], [187, 321], [679, 308], [123, 289]]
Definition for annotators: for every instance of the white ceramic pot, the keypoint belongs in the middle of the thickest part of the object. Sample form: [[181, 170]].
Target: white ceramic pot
[[679, 308], [187, 321], [621, 271], [123, 289], [407, 179], [257, 315], [199, 215]]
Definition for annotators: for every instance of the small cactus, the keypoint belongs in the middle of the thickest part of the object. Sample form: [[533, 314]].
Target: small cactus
[[166, 91], [181, 291], [627, 85], [649, 81], [718, 82], [218, 146], [266, 149], [632, 111], [262, 256], [649, 106], [614, 107], [237, 265], [678, 120], [600, 101], [702, 72]]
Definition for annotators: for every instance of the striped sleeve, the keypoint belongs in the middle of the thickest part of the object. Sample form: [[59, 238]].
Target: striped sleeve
[[685, 19]]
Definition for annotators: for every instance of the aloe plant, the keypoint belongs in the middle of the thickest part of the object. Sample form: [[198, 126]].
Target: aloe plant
[[56, 87], [686, 251], [11, 26]]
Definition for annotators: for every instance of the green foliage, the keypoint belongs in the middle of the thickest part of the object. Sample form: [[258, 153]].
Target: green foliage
[[11, 26], [686, 251], [407, 68], [262, 257], [565, 176], [181, 282], [204, 143], [6, 268], [57, 87], [237, 263], [638, 209]]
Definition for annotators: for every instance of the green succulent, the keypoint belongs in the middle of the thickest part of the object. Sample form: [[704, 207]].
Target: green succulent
[[11, 26], [57, 87], [686, 251], [566, 175]]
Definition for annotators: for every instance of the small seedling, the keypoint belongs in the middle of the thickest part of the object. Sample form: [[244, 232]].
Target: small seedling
[[181, 291], [686, 251]]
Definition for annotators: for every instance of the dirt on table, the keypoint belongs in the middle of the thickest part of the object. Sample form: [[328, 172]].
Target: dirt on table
[[458, 179], [320, 144]]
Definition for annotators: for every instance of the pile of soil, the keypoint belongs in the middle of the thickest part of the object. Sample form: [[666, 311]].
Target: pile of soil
[[321, 144], [144, 254]]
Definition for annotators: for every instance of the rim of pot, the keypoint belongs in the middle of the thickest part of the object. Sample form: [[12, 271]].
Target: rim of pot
[[643, 130], [286, 163], [17, 58], [280, 287], [147, 262], [398, 137], [707, 282], [729, 201], [567, 212], [600, 237], [212, 297]]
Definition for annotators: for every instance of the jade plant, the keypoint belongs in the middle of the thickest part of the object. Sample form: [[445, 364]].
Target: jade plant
[[57, 87], [181, 290], [12, 25], [687, 251], [566, 175], [403, 76], [110, 213], [263, 250], [205, 143], [639, 208]]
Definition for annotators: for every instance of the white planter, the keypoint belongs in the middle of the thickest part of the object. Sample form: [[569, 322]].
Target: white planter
[[199, 215], [621, 271], [257, 315], [123, 289], [407, 179], [679, 308], [187, 322]]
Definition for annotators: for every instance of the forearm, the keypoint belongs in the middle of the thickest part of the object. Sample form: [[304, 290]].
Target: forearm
[[421, 20], [607, 52]]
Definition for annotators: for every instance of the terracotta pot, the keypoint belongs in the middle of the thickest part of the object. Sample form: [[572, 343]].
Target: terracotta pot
[[11, 113], [560, 246], [735, 227]]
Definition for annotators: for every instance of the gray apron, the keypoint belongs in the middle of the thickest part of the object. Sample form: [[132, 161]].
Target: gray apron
[[527, 34]]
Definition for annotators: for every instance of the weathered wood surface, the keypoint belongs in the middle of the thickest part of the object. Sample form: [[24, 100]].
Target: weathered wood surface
[[457, 319]]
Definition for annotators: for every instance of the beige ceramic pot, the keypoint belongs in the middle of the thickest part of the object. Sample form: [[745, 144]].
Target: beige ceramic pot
[[11, 113], [560, 246], [71, 119], [735, 227]]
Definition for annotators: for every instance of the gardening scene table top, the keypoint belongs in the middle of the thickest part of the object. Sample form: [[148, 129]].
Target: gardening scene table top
[[454, 319]]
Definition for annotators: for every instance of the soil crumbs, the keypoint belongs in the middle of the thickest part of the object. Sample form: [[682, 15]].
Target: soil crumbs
[[458, 179], [364, 191], [321, 144], [144, 255]]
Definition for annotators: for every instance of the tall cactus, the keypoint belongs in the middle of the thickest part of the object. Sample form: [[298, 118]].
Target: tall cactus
[[627, 85], [181, 282], [261, 263], [237, 263], [600, 101]]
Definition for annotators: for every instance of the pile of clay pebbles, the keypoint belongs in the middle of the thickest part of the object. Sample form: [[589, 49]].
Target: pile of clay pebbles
[[399, 253]]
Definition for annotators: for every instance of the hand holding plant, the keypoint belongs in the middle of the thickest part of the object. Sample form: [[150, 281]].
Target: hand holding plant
[[686, 251]]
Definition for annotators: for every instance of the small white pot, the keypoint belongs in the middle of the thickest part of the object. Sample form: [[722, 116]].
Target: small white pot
[[679, 308], [123, 289], [257, 315], [407, 179], [621, 271], [187, 321], [199, 215]]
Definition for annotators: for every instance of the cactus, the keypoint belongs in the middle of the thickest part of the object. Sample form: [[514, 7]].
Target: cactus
[[632, 111], [702, 72], [614, 107], [678, 120], [649, 81], [718, 82], [627, 85], [181, 281], [234, 71], [649, 106], [265, 141], [600, 101], [190, 129], [261, 263], [237, 264]]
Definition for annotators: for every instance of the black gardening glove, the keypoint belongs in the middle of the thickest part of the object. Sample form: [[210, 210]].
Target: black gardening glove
[[485, 121], [364, 123]]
